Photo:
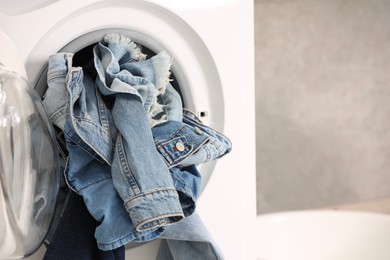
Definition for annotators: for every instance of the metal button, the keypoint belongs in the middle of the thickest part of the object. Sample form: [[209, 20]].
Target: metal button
[[180, 146], [198, 130]]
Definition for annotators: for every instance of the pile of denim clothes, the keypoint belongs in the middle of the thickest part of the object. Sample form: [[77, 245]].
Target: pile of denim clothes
[[131, 152]]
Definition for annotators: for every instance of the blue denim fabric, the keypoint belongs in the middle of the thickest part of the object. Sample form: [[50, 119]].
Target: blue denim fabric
[[185, 145], [188, 239], [171, 106], [88, 174], [140, 175], [213, 145], [55, 97], [217, 146], [188, 183], [74, 236], [176, 141], [148, 77]]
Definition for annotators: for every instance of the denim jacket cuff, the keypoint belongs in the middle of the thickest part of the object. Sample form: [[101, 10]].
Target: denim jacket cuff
[[176, 141], [155, 209]]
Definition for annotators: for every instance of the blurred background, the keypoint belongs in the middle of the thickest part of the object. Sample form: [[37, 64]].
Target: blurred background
[[323, 104]]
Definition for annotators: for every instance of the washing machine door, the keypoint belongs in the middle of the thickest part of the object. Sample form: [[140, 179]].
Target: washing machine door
[[29, 168]]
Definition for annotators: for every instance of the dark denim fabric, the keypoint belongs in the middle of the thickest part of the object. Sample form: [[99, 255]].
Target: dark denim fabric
[[74, 236]]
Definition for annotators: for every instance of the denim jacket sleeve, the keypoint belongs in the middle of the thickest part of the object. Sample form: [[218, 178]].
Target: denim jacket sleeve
[[139, 174]]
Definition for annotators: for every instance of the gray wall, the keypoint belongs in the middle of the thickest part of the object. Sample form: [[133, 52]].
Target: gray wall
[[323, 102]]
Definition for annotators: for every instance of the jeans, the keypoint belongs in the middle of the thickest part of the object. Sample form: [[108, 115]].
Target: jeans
[[73, 239]]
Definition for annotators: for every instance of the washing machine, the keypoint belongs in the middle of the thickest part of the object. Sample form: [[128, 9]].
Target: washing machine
[[211, 42]]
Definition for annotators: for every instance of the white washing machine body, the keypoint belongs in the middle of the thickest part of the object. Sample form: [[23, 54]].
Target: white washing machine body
[[212, 47]]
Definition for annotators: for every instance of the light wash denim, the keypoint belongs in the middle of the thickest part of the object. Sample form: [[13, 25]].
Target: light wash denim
[[88, 173], [55, 97], [184, 142], [153, 75], [172, 106], [175, 142], [139, 174], [217, 146], [148, 77], [185, 145], [188, 239], [188, 183], [213, 146]]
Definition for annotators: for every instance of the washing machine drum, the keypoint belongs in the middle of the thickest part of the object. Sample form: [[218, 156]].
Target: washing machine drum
[[29, 170]]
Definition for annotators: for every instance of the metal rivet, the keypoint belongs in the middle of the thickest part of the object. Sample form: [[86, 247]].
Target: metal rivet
[[198, 130], [180, 146]]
